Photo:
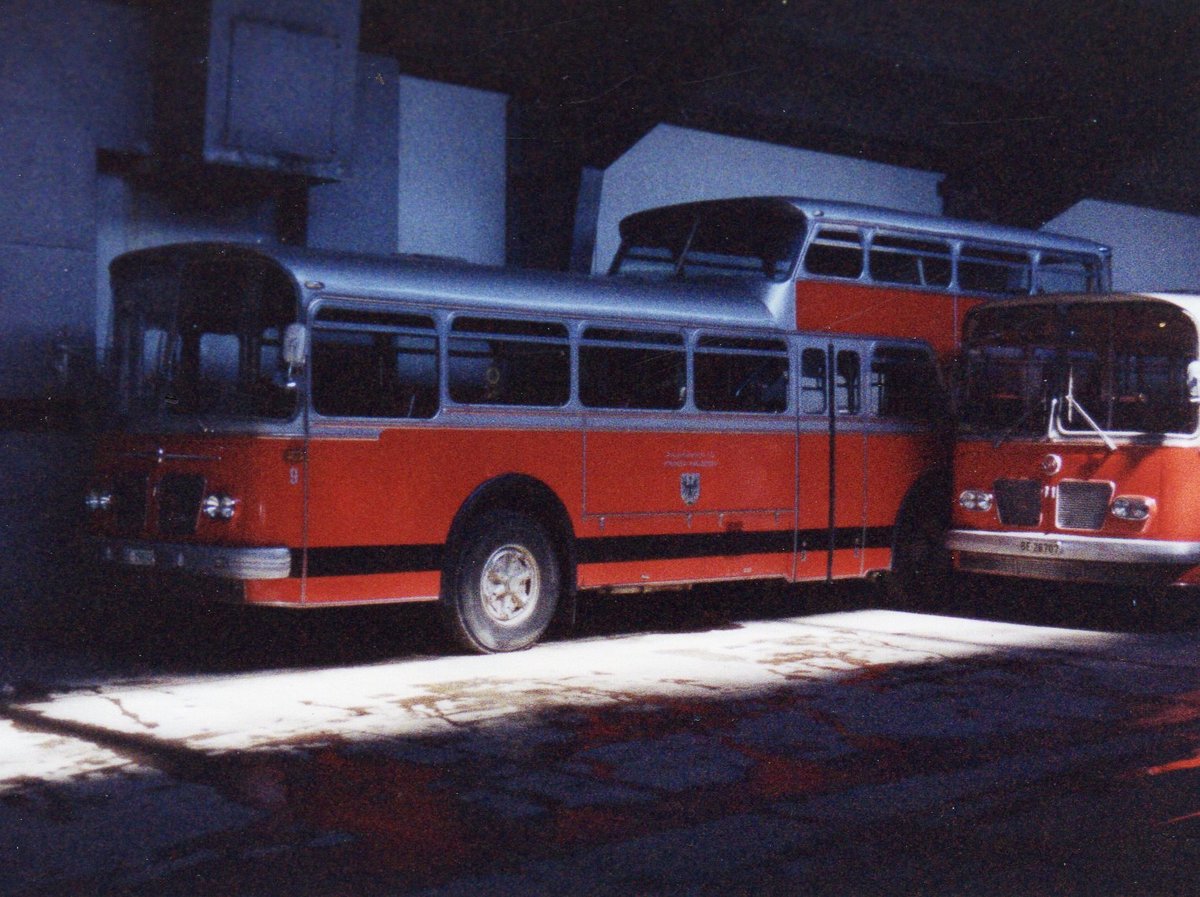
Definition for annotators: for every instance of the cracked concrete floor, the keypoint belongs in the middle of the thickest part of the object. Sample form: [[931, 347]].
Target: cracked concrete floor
[[847, 751]]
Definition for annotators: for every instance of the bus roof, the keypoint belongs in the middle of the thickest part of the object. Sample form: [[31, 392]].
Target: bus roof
[[859, 214], [1189, 302], [322, 273]]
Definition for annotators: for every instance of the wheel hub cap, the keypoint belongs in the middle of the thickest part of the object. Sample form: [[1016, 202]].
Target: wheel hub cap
[[510, 584]]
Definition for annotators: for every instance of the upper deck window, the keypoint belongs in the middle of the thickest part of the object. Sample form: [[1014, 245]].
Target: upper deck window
[[906, 260], [1067, 273], [987, 269], [835, 252], [740, 239]]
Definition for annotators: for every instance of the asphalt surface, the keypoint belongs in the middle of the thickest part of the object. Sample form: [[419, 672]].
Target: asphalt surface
[[720, 741]]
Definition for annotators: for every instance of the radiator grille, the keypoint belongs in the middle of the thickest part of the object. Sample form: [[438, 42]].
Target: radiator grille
[[1083, 504], [179, 504], [1019, 502]]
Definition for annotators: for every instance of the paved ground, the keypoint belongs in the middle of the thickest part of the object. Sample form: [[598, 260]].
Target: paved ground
[[706, 744]]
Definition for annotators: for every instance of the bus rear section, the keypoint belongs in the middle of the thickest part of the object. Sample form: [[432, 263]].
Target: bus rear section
[[1078, 444], [856, 269]]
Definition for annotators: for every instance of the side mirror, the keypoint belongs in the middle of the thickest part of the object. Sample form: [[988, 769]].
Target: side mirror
[[1193, 381], [295, 351], [295, 345]]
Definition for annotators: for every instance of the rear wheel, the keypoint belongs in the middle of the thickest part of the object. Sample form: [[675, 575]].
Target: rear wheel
[[502, 583]]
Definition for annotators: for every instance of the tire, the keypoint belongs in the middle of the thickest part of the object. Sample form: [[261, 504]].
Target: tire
[[922, 573], [502, 583]]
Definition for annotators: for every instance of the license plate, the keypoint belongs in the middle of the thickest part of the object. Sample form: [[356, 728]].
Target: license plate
[[139, 557], [1051, 549]]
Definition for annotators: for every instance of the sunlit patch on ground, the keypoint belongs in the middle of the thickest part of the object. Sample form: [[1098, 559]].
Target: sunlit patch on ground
[[735, 756]]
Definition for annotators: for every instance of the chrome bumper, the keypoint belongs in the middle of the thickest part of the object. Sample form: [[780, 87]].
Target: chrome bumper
[[207, 560], [1067, 557]]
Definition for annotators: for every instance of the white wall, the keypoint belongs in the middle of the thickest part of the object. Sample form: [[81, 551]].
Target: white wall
[[359, 213], [1152, 250], [427, 173], [452, 171], [672, 164]]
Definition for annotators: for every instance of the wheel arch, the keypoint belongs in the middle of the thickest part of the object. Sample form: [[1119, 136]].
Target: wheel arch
[[529, 496], [930, 491]]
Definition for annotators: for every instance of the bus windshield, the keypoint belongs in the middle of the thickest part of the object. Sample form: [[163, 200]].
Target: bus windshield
[[745, 240], [202, 338], [1104, 367]]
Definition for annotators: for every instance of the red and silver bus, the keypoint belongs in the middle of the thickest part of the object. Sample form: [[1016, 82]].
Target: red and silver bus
[[308, 429], [862, 269], [1077, 454]]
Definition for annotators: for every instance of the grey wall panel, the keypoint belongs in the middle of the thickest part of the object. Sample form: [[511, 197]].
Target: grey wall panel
[[360, 212], [46, 293], [84, 60], [47, 166], [452, 171]]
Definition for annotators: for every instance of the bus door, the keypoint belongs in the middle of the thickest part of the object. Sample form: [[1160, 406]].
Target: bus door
[[831, 460], [679, 490], [373, 381]]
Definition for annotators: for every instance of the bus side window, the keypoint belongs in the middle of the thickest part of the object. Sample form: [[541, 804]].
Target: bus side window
[[367, 364], [813, 393], [847, 385], [1065, 273], [983, 269], [835, 252], [497, 361], [632, 369], [741, 374], [904, 260], [904, 385]]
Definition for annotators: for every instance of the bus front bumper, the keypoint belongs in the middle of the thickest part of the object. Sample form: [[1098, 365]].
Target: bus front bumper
[[1069, 558], [221, 561]]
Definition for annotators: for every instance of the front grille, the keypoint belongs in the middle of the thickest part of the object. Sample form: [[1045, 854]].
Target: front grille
[[1083, 504], [179, 498], [129, 502], [1019, 502]]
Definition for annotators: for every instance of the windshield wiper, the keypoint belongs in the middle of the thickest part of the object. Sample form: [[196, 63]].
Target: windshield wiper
[[1073, 402]]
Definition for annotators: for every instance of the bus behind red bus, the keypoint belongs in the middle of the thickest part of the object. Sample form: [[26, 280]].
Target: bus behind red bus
[[1076, 458]]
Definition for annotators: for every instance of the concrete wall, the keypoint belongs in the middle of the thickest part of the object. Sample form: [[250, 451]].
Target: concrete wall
[[672, 164], [452, 171], [72, 80], [1152, 250], [75, 86], [427, 174]]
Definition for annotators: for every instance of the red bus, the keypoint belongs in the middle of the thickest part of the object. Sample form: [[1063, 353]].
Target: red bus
[[1076, 459], [862, 269]]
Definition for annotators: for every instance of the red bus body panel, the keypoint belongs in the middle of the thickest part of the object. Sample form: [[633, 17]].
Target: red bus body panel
[[1169, 475]]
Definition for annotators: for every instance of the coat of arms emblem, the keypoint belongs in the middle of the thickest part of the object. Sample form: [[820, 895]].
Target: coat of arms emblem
[[689, 488]]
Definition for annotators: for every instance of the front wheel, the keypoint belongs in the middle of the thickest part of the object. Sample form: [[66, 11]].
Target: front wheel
[[502, 583]]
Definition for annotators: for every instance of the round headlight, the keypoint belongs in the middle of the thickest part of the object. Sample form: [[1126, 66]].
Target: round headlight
[[219, 506], [975, 500], [98, 500], [1131, 507]]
